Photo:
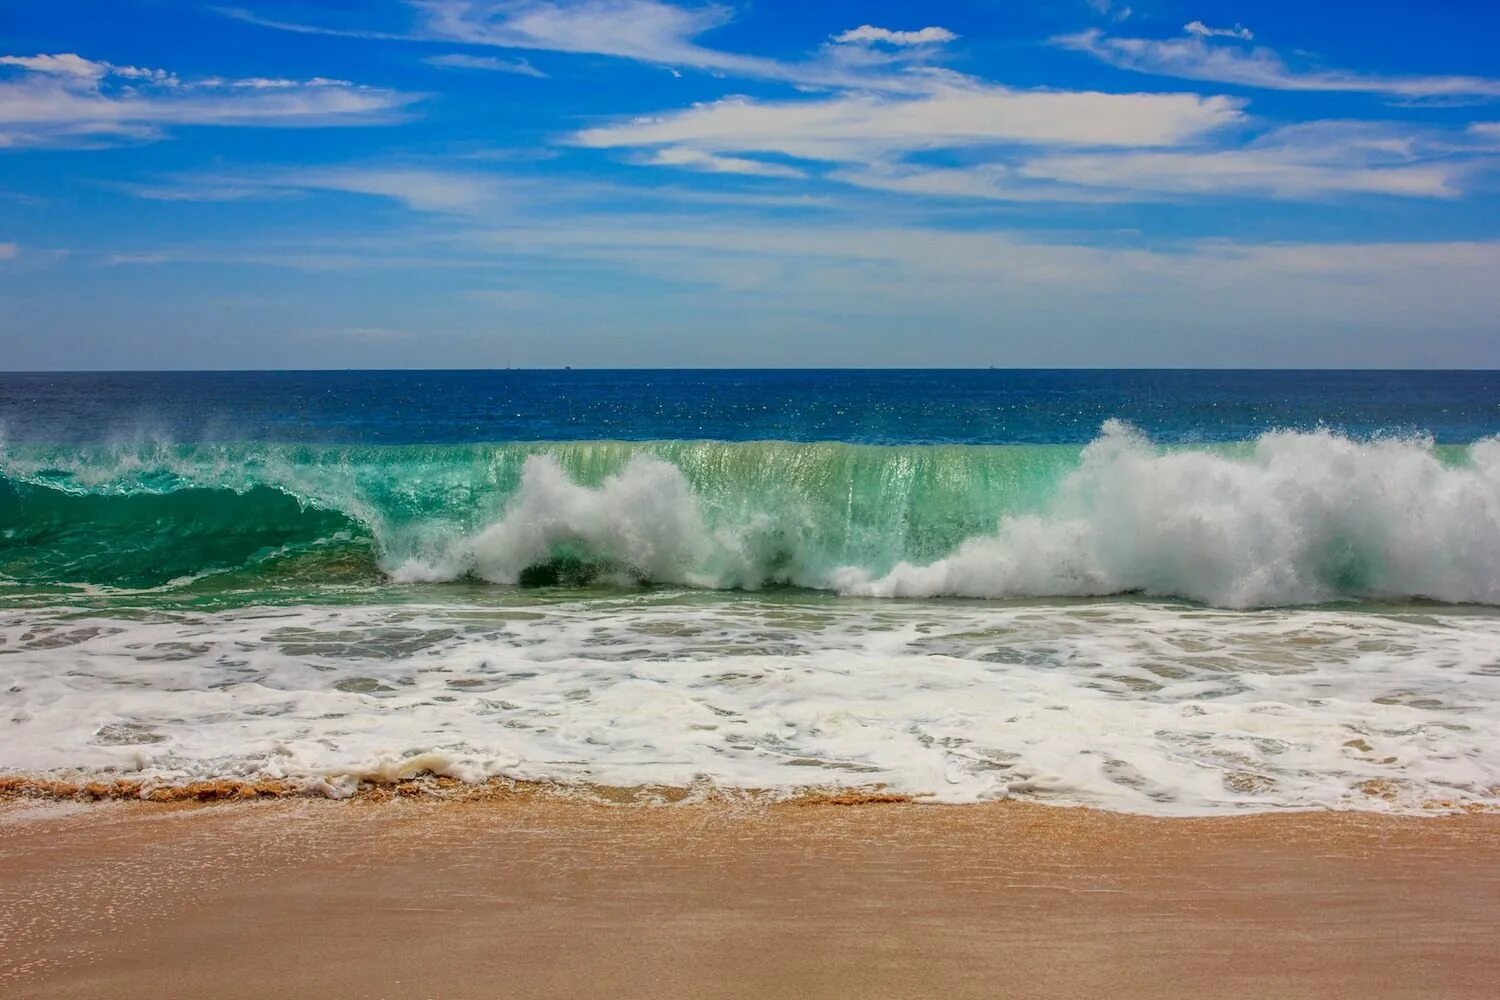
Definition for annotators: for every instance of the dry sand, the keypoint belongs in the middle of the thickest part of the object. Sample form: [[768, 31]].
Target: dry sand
[[530, 897]]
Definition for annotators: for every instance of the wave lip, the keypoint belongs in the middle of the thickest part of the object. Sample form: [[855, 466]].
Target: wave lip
[[1289, 518]]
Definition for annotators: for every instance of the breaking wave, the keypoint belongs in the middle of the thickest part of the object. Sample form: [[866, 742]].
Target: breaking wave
[[1288, 518]]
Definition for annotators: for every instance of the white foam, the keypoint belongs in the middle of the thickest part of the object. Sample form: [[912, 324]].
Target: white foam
[[1303, 518], [645, 518], [1125, 705]]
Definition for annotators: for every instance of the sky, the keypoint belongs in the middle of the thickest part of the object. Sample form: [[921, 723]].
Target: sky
[[749, 183]]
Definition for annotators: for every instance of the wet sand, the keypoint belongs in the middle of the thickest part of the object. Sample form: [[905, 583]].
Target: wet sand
[[531, 897]]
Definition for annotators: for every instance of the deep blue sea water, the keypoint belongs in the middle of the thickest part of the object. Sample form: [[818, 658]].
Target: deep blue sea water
[[857, 406]]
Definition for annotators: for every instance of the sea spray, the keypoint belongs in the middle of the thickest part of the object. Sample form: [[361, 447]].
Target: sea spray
[[1300, 518]]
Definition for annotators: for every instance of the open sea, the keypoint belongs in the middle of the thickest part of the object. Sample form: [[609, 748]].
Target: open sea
[[1171, 592]]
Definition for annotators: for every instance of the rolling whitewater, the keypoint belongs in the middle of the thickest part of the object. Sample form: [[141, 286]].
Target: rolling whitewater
[[1165, 592]]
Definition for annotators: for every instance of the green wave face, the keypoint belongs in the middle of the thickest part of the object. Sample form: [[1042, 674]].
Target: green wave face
[[145, 516], [147, 540]]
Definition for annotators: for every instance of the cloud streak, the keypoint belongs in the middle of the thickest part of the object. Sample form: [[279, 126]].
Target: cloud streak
[[645, 30], [418, 188], [696, 159], [867, 34], [1195, 58], [653, 32], [863, 127], [67, 100], [1303, 162], [1202, 30], [490, 64]]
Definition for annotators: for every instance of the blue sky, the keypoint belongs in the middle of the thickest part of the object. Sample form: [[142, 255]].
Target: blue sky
[[600, 183]]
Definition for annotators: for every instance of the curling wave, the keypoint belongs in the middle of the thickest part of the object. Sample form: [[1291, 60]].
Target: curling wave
[[1289, 518]]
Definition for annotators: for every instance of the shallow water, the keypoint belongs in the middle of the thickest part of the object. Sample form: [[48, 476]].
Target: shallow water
[[1125, 704]]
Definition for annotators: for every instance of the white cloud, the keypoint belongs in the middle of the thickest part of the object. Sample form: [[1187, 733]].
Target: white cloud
[[1195, 59], [866, 34], [647, 30], [520, 67], [190, 189], [9, 251], [989, 181], [136, 259], [66, 100], [1204, 31], [866, 128], [1272, 167], [274, 83], [62, 64], [421, 189], [250, 17], [1301, 162], [696, 159]]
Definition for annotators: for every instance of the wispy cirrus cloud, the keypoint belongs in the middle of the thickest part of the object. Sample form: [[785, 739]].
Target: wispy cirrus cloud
[[67, 100], [986, 181], [654, 32], [1197, 58], [867, 34], [422, 189], [696, 159], [443, 191], [1202, 30], [646, 30], [488, 64], [299, 28], [1112, 9], [1300, 162], [1315, 160]]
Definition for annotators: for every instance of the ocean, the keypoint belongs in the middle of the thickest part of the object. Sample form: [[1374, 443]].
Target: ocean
[[1166, 592]]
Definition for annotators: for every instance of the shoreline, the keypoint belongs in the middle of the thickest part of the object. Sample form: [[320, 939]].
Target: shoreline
[[428, 786], [539, 896]]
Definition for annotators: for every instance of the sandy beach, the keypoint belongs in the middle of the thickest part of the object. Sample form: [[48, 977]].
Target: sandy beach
[[536, 897]]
